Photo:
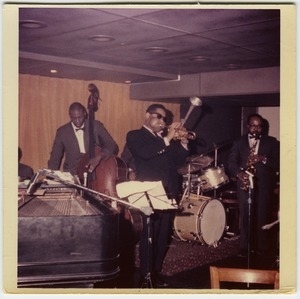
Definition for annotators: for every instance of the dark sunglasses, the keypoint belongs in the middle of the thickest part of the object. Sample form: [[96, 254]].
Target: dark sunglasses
[[255, 126], [159, 116]]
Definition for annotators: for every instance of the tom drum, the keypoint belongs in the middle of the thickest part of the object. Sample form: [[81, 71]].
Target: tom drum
[[213, 178]]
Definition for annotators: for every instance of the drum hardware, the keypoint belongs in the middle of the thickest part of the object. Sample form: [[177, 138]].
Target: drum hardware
[[190, 205], [216, 163]]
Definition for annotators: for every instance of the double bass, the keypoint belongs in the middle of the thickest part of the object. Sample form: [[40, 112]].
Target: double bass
[[111, 170], [108, 173]]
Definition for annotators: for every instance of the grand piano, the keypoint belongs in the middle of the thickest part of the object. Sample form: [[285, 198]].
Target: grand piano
[[66, 238]]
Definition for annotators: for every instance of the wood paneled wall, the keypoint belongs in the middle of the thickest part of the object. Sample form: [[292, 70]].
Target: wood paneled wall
[[44, 103]]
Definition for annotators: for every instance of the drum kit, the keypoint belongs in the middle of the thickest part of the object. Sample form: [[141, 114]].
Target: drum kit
[[201, 218]]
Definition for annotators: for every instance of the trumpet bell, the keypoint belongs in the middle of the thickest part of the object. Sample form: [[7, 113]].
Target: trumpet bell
[[195, 101]]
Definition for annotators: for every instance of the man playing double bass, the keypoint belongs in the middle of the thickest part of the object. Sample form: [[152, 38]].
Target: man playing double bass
[[72, 140]]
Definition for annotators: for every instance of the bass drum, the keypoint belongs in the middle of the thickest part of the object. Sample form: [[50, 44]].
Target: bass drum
[[201, 220]]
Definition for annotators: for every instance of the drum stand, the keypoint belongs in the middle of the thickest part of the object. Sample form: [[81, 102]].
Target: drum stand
[[216, 164], [189, 182], [187, 191]]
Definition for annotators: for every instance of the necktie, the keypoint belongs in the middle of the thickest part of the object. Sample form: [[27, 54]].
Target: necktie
[[254, 136], [78, 129]]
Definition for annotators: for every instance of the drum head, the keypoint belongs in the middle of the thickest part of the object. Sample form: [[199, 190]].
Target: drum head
[[212, 221]]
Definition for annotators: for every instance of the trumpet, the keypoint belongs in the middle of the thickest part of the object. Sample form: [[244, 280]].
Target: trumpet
[[183, 133], [195, 101]]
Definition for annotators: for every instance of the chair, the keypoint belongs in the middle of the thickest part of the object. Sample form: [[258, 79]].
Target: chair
[[218, 275]]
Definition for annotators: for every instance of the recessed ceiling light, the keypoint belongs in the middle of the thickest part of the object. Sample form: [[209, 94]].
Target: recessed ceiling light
[[102, 38], [231, 66], [127, 81], [156, 50], [53, 71], [199, 58], [31, 24]]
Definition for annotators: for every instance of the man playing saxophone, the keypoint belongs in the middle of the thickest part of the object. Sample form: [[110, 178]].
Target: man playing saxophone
[[254, 161]]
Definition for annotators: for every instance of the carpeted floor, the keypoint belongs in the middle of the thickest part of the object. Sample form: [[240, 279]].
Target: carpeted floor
[[186, 265], [183, 256]]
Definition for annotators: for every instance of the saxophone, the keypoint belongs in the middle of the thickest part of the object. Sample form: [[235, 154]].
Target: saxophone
[[250, 168]]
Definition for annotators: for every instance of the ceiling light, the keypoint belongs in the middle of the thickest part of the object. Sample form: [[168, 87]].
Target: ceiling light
[[127, 81], [102, 38], [231, 66], [31, 24], [156, 50], [53, 71], [199, 58]]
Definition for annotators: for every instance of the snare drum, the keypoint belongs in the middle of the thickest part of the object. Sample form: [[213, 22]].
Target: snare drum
[[213, 178], [201, 220]]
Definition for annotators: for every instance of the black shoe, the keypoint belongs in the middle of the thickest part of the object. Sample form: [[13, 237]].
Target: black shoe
[[159, 281]]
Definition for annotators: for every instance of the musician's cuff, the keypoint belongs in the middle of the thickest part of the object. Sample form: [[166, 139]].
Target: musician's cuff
[[167, 142]]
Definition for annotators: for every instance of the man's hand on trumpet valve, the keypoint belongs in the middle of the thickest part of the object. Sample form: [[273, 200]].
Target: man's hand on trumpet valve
[[183, 136], [173, 130]]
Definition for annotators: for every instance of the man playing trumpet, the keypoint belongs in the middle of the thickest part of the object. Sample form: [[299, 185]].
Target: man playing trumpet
[[157, 158]]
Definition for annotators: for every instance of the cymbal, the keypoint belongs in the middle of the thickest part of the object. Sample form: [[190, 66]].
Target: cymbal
[[201, 160], [219, 146], [189, 168], [195, 163]]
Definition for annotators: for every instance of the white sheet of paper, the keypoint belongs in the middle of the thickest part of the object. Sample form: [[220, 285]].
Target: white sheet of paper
[[136, 193]]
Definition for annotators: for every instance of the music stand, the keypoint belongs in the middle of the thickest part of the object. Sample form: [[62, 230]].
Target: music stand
[[147, 282], [153, 195]]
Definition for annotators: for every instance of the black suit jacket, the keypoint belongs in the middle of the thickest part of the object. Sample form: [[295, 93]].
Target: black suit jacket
[[154, 161], [268, 146], [65, 143]]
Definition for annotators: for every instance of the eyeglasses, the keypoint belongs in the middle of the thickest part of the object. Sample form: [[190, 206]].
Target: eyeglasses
[[255, 126], [159, 116]]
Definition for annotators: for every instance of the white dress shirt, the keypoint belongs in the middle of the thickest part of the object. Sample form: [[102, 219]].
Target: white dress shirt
[[79, 135]]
